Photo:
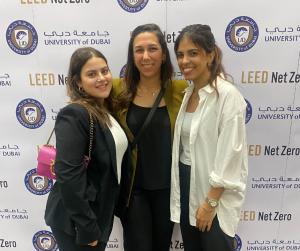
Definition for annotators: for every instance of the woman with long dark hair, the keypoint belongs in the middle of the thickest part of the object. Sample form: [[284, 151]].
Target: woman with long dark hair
[[209, 166], [149, 71], [80, 207]]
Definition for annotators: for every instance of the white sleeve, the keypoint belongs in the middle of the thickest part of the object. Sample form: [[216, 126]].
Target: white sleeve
[[231, 164]]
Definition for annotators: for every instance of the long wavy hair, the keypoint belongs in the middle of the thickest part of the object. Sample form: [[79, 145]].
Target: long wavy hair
[[97, 109], [202, 36], [132, 74]]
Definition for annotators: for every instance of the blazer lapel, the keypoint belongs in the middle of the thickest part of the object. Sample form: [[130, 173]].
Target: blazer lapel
[[112, 149]]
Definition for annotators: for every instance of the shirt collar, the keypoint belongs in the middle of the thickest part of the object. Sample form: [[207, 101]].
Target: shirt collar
[[207, 89]]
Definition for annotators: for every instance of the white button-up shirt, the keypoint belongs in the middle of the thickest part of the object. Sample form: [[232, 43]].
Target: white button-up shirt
[[218, 153]]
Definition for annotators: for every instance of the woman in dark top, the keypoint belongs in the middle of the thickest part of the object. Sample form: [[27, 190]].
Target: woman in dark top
[[151, 171], [146, 223]]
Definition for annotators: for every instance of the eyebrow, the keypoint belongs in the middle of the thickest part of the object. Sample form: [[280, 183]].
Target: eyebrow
[[190, 50], [102, 68], [138, 46]]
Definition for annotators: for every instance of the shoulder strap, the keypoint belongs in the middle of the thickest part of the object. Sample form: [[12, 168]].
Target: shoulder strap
[[149, 117], [91, 134], [48, 141]]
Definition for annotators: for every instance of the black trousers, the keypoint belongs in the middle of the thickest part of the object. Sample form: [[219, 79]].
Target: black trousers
[[146, 224], [66, 242], [193, 239]]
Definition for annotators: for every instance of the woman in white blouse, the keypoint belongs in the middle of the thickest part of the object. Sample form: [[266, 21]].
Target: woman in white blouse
[[209, 166]]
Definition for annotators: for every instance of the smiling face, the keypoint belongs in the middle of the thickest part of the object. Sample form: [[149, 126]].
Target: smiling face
[[148, 55], [194, 61], [95, 78]]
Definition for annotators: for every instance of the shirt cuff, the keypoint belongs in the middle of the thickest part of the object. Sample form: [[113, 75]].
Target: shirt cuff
[[217, 181]]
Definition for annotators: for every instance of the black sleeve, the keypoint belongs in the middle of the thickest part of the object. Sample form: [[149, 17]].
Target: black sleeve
[[72, 139]]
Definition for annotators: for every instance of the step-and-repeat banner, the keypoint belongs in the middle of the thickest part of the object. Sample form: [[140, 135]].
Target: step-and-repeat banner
[[260, 41]]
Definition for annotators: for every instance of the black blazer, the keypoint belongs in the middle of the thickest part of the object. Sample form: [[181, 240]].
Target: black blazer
[[82, 201]]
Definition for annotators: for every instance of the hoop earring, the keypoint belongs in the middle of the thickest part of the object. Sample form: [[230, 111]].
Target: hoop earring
[[80, 89]]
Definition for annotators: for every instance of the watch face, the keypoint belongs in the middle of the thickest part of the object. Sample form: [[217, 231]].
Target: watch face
[[213, 203]]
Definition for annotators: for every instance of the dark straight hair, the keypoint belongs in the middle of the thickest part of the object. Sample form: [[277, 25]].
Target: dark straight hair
[[202, 36], [132, 74]]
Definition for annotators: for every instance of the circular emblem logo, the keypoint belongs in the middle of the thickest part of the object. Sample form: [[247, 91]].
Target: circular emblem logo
[[37, 184], [241, 34], [133, 5], [248, 111], [30, 113], [237, 243], [122, 72], [21, 37], [44, 240]]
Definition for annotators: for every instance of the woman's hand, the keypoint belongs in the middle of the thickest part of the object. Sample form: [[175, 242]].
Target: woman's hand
[[93, 244], [204, 217]]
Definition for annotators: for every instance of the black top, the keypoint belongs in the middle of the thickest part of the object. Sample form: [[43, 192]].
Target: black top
[[153, 170]]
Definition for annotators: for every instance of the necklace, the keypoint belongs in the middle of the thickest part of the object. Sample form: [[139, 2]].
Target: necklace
[[147, 92]]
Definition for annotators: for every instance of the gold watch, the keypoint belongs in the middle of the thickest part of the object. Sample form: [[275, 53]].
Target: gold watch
[[212, 202]]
